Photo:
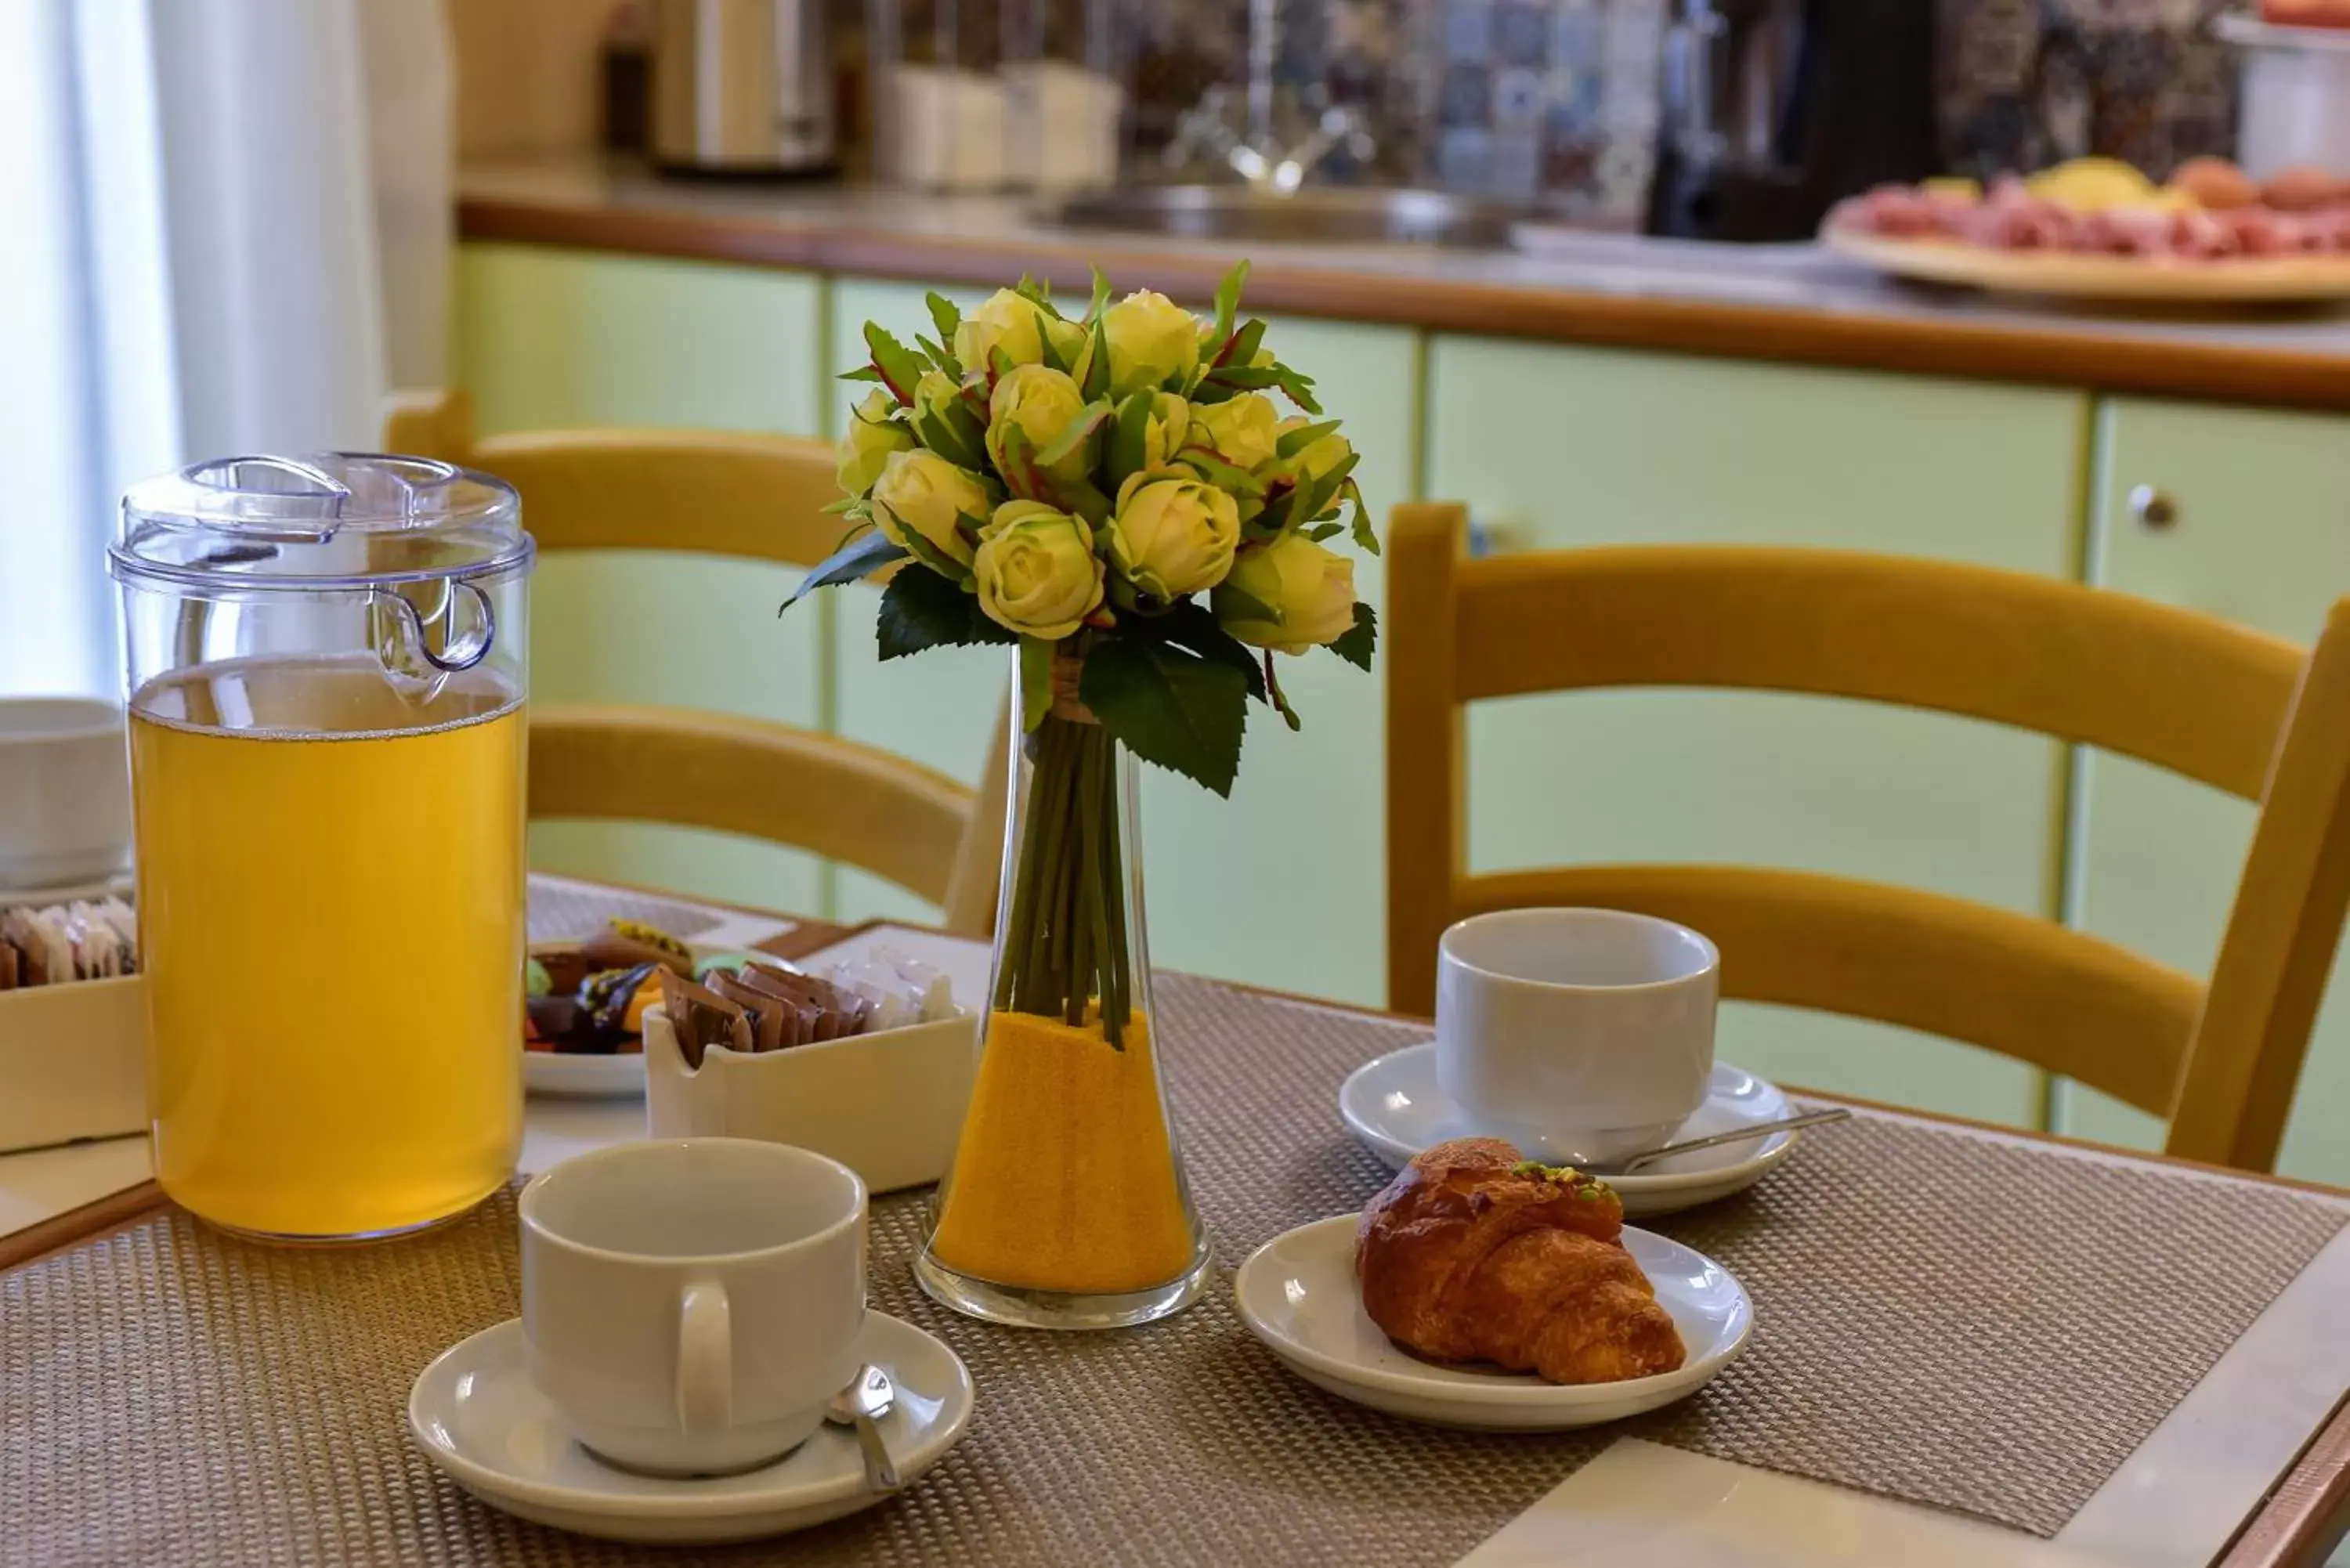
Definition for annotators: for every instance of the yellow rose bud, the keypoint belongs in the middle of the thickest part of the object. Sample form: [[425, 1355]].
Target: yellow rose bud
[[935, 391], [1310, 591], [872, 437], [1007, 321], [1240, 431], [920, 493], [1320, 456], [1036, 569], [1162, 436], [1039, 403], [1173, 534], [1151, 339]]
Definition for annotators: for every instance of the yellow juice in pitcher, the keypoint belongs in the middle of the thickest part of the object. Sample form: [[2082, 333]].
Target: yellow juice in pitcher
[[330, 913]]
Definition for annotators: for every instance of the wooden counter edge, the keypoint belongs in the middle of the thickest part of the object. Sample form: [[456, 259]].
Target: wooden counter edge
[[101, 1216], [2307, 1513], [2067, 356]]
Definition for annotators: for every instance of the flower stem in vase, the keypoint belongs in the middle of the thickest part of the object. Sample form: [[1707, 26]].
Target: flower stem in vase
[[1067, 1205]]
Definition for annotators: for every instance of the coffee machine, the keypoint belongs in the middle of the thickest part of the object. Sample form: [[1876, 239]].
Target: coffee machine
[[741, 88], [1774, 109]]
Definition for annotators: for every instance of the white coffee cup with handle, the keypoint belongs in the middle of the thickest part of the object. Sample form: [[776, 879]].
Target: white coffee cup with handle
[[1579, 1035], [691, 1304]]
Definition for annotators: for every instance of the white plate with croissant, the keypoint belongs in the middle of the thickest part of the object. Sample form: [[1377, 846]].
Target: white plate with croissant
[[1480, 1290]]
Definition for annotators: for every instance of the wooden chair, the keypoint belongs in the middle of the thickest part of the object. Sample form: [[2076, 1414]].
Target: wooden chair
[[759, 497], [2218, 702]]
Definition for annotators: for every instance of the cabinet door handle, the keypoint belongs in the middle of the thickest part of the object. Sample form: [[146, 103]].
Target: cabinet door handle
[[2153, 508]]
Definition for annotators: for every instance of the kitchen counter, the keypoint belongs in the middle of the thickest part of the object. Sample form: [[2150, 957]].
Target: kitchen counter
[[1788, 302]]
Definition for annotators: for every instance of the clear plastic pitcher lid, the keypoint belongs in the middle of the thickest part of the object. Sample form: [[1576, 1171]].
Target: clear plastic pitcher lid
[[324, 520]]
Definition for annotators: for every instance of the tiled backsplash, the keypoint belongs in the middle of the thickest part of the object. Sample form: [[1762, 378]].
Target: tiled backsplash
[[1550, 100]]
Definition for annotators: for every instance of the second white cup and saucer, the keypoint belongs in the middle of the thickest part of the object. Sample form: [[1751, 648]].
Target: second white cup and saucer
[[690, 1306], [1582, 1036]]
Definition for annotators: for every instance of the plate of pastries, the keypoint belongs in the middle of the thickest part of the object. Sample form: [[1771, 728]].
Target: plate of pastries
[[2096, 228], [1481, 1289]]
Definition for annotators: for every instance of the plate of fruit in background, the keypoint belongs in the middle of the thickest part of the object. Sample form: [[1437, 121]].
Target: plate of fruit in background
[[2097, 229]]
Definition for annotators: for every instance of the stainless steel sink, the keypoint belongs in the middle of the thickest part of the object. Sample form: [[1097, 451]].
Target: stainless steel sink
[[1316, 215]]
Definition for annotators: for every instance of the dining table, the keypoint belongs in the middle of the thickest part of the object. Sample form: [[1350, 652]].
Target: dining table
[[1975, 1345]]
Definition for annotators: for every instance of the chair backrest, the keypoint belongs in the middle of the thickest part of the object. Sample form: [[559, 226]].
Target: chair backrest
[[759, 497], [2235, 708]]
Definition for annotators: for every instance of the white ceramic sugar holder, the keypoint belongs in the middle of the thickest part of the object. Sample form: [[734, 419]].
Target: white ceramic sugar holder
[[889, 1106]]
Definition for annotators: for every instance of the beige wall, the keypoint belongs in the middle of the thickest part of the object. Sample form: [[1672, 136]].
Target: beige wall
[[526, 75]]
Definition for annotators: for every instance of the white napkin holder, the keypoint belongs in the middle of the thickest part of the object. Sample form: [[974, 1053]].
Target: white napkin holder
[[72, 1062], [889, 1106]]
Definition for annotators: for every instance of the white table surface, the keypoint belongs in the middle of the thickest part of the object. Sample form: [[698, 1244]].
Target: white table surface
[[2173, 1504]]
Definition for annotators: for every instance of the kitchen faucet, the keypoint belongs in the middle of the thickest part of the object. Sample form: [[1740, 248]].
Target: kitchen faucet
[[1206, 129]]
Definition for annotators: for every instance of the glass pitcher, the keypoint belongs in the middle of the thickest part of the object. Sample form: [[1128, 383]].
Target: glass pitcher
[[326, 661]]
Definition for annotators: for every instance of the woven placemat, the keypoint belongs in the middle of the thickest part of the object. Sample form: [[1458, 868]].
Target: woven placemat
[[1960, 1321]]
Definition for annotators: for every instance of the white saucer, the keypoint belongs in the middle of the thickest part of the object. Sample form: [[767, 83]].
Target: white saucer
[[584, 1074], [477, 1415], [1394, 1104], [1297, 1294]]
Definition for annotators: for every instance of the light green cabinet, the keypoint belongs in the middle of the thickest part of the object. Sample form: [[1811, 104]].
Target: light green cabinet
[[557, 338], [1305, 814], [1563, 446], [2261, 534]]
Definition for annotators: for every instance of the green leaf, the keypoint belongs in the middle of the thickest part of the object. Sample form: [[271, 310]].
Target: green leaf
[[1321, 530], [1246, 377], [847, 503], [1237, 482], [921, 610], [1129, 441], [1190, 624], [950, 439], [943, 314], [1298, 387], [1246, 606], [1096, 383], [1297, 440], [937, 560], [1170, 706], [1036, 681], [1355, 643], [899, 367], [1048, 356], [1365, 539], [864, 373], [1023, 475], [999, 365], [1101, 296], [1036, 293], [1239, 351], [1228, 299], [943, 356], [1289, 715], [859, 555], [1076, 433]]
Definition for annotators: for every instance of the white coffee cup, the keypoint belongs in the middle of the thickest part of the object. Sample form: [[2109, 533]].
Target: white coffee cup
[[64, 791], [1578, 1034], [691, 1304]]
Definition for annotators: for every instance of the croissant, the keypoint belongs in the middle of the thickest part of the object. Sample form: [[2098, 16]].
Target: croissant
[[1472, 1254]]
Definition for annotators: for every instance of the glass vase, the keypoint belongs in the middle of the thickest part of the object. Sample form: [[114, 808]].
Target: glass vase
[[1067, 1206]]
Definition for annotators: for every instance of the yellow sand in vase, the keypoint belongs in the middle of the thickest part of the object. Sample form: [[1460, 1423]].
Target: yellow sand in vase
[[1064, 1179]]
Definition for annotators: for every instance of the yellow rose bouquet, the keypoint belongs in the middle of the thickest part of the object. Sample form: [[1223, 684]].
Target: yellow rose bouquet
[[1121, 498]]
